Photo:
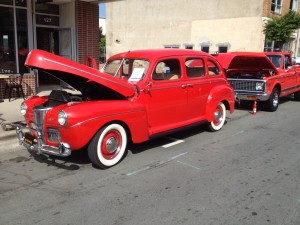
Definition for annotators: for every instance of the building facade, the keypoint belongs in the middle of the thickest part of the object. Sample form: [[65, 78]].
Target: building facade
[[64, 27], [210, 26]]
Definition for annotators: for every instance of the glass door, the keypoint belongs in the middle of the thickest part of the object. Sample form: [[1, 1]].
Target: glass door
[[47, 40], [65, 43]]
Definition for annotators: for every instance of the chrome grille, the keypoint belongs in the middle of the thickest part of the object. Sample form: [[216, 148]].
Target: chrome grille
[[243, 85], [39, 116], [53, 135]]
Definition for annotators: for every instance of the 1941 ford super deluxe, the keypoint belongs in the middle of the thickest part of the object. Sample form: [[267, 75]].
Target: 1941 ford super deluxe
[[136, 96]]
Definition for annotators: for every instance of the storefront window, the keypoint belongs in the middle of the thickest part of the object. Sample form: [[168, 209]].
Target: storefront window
[[13, 48], [42, 7], [22, 3], [7, 41], [22, 39], [6, 2]]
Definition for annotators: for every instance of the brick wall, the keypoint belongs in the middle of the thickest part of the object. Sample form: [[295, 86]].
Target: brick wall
[[87, 15], [285, 8], [29, 86]]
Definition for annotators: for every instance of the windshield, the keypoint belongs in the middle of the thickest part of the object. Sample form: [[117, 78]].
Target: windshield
[[128, 69], [276, 60]]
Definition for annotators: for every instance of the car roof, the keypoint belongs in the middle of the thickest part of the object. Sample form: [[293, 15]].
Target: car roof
[[158, 53]]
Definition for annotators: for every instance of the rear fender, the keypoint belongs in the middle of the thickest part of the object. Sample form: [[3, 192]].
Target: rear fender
[[217, 95]]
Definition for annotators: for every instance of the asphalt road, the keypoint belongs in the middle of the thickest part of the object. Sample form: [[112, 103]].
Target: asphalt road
[[247, 173]]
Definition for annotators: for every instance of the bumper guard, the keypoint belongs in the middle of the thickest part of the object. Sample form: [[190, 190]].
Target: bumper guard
[[38, 146]]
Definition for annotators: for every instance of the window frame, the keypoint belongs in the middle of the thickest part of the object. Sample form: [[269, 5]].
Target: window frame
[[294, 5], [203, 65], [276, 6], [176, 46], [217, 66], [162, 74]]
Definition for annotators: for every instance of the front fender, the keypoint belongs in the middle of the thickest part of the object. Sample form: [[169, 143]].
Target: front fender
[[84, 121]]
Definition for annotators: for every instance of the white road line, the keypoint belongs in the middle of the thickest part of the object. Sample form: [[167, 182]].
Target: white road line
[[176, 142], [189, 165], [238, 133], [160, 163]]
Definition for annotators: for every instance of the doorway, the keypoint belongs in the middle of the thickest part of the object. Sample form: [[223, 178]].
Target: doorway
[[47, 40], [57, 41]]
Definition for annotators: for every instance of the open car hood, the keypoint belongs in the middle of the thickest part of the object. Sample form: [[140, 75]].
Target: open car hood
[[76, 74], [245, 61]]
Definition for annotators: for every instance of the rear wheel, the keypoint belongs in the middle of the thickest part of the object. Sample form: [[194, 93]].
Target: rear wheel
[[273, 102], [108, 147], [219, 118]]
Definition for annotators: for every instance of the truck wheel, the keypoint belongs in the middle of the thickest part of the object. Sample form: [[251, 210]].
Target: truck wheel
[[108, 146], [273, 102], [297, 96], [219, 118]]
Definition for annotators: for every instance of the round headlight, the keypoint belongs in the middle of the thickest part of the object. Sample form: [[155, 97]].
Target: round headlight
[[23, 109], [62, 118], [259, 86]]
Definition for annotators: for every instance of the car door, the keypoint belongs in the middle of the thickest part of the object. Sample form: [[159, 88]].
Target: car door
[[167, 97], [290, 78], [287, 76], [198, 87]]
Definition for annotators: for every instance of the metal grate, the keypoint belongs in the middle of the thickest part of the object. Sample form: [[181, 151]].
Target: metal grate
[[39, 115], [243, 85], [53, 135]]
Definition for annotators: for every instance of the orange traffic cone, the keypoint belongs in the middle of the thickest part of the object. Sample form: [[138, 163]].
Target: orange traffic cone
[[254, 108]]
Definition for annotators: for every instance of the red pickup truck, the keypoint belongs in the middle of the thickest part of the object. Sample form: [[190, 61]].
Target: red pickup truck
[[261, 76]]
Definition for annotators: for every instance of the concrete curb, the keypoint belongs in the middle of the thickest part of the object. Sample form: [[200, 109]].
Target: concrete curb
[[6, 135]]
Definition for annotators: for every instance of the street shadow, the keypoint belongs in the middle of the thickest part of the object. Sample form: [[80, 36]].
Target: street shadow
[[73, 162]]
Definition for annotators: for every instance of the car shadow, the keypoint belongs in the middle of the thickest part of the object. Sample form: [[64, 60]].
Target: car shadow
[[80, 158], [167, 139], [261, 106]]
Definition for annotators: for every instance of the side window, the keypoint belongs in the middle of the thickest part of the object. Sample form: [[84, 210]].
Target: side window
[[112, 67], [287, 62], [167, 70], [194, 67], [213, 68]]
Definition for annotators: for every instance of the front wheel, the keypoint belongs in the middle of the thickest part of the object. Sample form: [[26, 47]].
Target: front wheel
[[273, 102], [108, 146], [219, 118]]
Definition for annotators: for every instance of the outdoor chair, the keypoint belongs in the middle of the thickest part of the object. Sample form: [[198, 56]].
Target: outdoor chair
[[14, 82]]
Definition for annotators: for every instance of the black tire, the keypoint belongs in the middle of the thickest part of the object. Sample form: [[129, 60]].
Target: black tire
[[219, 118], [273, 102], [297, 96], [108, 146]]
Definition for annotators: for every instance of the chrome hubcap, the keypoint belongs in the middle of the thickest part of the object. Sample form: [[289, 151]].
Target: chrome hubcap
[[275, 100], [218, 116], [111, 144]]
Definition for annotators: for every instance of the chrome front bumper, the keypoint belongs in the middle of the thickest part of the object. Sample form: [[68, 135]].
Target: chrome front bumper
[[251, 96], [37, 145]]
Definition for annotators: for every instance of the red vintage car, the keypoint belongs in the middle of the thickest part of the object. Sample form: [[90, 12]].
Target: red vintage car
[[136, 96]]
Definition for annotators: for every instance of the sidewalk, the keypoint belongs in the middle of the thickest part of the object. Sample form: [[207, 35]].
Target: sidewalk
[[9, 112]]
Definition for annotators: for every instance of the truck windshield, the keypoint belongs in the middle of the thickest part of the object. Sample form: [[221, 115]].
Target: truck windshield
[[276, 60]]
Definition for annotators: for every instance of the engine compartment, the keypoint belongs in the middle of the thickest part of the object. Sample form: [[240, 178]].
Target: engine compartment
[[90, 91], [247, 74]]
